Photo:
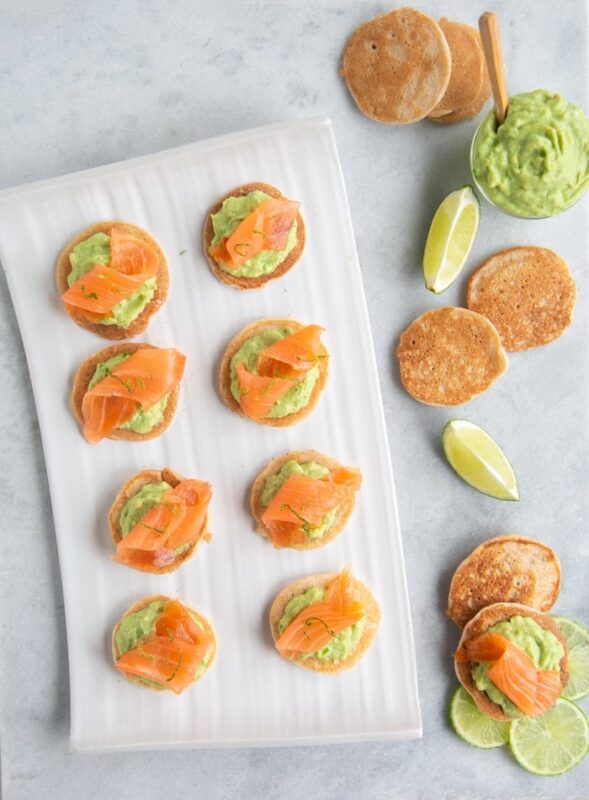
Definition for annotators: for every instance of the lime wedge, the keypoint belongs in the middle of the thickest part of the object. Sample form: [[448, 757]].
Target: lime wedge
[[479, 460], [472, 725], [450, 238], [552, 743], [578, 641]]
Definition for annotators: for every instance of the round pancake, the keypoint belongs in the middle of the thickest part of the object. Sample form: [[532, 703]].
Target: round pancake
[[343, 513], [466, 79], [129, 489], [63, 269], [145, 601], [244, 282], [479, 624], [397, 66], [84, 375], [370, 627], [528, 293], [225, 373], [511, 568], [449, 355]]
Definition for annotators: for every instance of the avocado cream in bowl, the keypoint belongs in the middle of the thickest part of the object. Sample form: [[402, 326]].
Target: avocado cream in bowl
[[536, 164]]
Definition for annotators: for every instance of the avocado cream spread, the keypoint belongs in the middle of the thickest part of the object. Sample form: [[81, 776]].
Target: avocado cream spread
[[226, 220], [137, 626], [341, 645], [312, 470], [536, 163], [138, 505], [540, 645], [143, 420], [96, 250], [297, 397]]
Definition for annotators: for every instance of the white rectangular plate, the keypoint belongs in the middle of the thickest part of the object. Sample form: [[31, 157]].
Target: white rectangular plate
[[251, 696]]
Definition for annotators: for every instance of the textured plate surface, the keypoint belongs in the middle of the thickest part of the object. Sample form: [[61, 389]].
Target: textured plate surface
[[251, 696]]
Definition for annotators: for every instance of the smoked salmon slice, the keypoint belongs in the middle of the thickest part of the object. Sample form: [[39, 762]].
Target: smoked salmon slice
[[131, 255], [101, 288], [177, 623], [132, 262], [138, 382], [172, 663], [513, 672], [320, 622], [293, 355], [265, 228], [175, 521], [257, 394], [302, 503]]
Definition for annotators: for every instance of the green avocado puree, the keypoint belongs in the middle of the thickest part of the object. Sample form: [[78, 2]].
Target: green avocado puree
[[96, 250], [297, 397], [137, 626], [138, 505], [536, 164], [312, 470], [143, 420], [540, 645], [226, 220], [340, 646]]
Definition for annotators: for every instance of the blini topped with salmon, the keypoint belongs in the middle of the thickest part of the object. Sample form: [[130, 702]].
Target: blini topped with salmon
[[112, 277], [158, 519], [253, 235], [273, 371], [163, 644], [127, 391], [512, 660], [304, 499], [324, 623]]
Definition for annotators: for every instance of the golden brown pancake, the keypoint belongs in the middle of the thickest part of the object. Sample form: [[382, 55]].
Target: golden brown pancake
[[479, 624], [63, 269], [511, 569], [528, 293], [397, 66], [244, 282], [449, 355]]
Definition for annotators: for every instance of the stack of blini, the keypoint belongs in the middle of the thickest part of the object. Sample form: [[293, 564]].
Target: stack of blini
[[404, 66]]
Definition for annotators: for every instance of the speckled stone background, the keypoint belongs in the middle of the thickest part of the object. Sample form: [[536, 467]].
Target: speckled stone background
[[86, 85]]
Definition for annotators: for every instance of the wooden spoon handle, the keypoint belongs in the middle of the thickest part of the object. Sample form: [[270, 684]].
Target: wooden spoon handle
[[489, 28]]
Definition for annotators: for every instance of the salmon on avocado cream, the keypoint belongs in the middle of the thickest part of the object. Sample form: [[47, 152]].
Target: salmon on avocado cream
[[253, 235], [157, 520], [162, 644], [304, 499], [513, 661], [112, 278], [324, 623], [127, 391], [273, 371]]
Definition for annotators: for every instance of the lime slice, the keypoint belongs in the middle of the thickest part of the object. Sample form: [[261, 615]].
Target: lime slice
[[552, 743], [450, 238], [479, 460], [578, 641], [472, 725]]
